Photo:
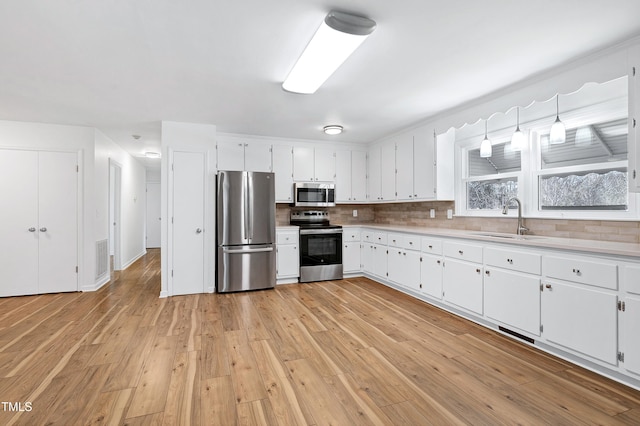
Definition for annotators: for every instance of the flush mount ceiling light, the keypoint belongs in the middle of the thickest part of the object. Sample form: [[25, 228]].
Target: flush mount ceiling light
[[332, 130], [151, 154], [517, 140], [485, 146], [558, 132], [338, 36]]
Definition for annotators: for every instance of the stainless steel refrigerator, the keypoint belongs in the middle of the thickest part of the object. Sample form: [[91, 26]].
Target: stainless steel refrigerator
[[246, 231]]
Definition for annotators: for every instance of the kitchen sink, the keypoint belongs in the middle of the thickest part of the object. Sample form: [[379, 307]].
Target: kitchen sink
[[510, 236]]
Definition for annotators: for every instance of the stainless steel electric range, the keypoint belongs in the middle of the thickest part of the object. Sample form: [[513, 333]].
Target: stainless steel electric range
[[320, 246]]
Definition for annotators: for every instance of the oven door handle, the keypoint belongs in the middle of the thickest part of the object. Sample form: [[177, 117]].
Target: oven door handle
[[320, 231]]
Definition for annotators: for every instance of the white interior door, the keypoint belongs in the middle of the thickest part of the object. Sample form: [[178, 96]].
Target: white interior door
[[58, 221], [188, 222], [153, 215], [18, 222]]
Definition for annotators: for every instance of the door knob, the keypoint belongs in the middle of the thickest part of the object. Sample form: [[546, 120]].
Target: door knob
[[198, 230], [43, 229]]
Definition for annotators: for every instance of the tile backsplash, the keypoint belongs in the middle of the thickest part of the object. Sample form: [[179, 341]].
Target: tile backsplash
[[417, 214]]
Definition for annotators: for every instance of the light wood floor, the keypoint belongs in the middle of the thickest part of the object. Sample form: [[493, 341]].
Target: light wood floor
[[342, 353]]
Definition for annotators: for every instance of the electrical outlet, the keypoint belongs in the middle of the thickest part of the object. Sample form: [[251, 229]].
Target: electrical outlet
[[449, 214], [432, 213], [355, 213]]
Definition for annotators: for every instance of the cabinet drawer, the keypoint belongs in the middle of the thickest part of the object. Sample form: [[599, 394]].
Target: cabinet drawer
[[431, 245], [514, 260], [463, 251], [584, 270], [287, 237], [380, 238], [411, 242], [631, 281], [349, 235], [395, 240], [368, 236]]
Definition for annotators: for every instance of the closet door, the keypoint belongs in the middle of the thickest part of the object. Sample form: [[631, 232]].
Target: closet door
[[58, 221], [18, 222]]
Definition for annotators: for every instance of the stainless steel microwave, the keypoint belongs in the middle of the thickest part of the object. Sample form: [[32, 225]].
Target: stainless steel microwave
[[313, 194]]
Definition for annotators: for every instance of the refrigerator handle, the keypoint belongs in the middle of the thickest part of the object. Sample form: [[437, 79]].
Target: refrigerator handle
[[250, 196], [247, 213]]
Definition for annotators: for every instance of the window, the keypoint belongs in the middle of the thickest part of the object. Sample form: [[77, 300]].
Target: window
[[584, 177], [492, 180]]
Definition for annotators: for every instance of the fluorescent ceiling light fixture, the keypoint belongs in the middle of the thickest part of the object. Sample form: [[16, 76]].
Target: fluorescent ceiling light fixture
[[150, 154], [336, 39], [332, 130]]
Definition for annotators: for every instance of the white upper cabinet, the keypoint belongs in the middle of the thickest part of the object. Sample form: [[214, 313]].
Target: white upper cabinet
[[313, 164], [283, 169], [351, 176], [388, 172], [634, 118], [424, 173], [404, 167], [375, 175], [237, 154]]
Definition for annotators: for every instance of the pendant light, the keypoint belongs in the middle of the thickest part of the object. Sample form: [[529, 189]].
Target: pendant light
[[558, 132], [517, 140], [485, 146]]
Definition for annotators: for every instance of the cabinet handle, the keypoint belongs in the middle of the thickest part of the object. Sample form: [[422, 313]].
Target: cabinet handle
[[576, 271], [430, 246], [198, 230], [510, 261], [478, 270], [43, 229], [415, 195], [410, 243], [404, 254], [548, 286], [32, 229], [438, 262], [487, 273], [460, 251]]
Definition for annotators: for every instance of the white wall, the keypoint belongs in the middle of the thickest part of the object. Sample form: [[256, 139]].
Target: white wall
[[133, 198], [53, 137]]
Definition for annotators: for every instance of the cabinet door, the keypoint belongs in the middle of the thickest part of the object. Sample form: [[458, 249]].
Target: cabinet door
[[58, 221], [230, 155], [287, 261], [634, 115], [462, 282], [367, 258], [343, 176], [257, 157], [380, 260], [303, 164], [630, 319], [19, 224], [283, 169], [513, 299], [374, 174], [325, 165], [351, 257], [395, 265], [424, 172], [358, 176], [388, 172], [188, 231], [404, 166], [411, 271], [581, 319], [431, 275]]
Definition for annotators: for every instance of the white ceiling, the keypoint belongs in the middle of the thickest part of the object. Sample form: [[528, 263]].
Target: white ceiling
[[125, 65]]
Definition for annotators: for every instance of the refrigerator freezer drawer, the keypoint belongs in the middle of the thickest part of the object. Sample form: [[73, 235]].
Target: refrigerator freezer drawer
[[242, 268]]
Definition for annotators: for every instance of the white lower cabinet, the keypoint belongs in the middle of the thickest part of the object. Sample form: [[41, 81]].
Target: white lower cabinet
[[287, 255], [351, 261], [513, 299], [380, 260], [462, 284], [462, 276], [431, 268], [629, 316], [581, 319]]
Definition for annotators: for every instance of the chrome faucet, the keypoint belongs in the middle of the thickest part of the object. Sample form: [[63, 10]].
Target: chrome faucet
[[505, 209]]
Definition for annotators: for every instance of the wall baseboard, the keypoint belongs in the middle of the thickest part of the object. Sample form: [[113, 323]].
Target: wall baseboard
[[97, 285], [132, 261]]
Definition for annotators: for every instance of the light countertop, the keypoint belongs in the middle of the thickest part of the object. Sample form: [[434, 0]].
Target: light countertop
[[593, 246]]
